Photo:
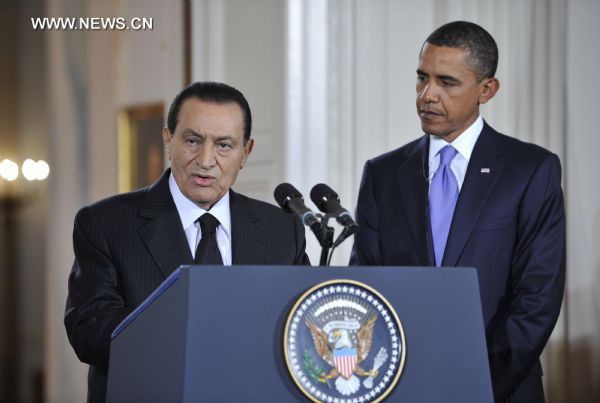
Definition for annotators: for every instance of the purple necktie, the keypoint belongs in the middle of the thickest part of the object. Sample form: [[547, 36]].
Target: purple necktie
[[442, 200]]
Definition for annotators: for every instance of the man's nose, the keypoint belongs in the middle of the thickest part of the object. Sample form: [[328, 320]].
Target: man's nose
[[429, 93], [205, 157]]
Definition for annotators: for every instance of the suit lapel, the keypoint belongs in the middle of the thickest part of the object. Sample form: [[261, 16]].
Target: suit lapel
[[482, 174], [162, 232], [247, 234], [412, 177]]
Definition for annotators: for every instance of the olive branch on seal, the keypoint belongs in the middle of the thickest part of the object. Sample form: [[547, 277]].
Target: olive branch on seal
[[314, 371]]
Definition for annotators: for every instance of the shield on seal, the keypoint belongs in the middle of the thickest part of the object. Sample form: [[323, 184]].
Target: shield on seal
[[345, 361]]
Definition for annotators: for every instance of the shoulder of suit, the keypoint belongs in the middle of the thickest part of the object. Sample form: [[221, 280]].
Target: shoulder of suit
[[126, 200], [401, 154], [260, 207], [519, 149]]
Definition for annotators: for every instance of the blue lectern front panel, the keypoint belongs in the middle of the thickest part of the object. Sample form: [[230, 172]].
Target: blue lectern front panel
[[233, 338]]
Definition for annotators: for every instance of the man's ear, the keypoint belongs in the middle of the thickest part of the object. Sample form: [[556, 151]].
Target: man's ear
[[247, 150], [488, 89], [166, 135]]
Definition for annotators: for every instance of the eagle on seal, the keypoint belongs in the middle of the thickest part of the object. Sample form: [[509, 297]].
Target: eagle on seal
[[337, 349]]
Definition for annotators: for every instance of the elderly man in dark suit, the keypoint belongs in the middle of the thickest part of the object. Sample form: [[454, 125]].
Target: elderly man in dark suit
[[126, 245], [466, 195]]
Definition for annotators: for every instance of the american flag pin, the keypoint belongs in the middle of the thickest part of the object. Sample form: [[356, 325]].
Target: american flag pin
[[485, 170]]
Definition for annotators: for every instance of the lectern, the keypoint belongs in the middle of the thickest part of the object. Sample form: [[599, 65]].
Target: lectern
[[215, 334]]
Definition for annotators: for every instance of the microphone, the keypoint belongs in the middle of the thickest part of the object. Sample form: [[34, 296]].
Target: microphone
[[328, 201], [291, 200]]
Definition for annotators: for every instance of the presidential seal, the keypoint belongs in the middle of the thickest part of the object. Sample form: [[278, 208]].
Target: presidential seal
[[344, 343]]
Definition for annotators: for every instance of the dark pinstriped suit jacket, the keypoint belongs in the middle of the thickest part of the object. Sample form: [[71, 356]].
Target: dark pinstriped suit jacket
[[126, 245]]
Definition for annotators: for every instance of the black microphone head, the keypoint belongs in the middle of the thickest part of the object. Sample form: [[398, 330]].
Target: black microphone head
[[320, 193], [284, 192]]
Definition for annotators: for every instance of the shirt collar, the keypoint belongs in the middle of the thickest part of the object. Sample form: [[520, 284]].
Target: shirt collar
[[464, 143], [190, 211]]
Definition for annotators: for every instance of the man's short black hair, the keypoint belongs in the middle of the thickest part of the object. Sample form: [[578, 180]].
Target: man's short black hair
[[481, 46], [209, 91]]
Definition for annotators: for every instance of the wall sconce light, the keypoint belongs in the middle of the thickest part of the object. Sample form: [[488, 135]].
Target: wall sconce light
[[9, 174], [13, 195], [32, 170]]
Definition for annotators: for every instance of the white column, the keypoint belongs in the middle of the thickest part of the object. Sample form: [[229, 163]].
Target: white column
[[306, 146], [208, 39], [306, 128]]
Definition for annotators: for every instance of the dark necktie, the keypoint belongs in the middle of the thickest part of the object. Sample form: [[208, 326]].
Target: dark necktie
[[207, 251], [442, 200]]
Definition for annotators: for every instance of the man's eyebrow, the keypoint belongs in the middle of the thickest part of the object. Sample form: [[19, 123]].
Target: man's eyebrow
[[191, 131], [225, 137], [440, 77], [448, 78]]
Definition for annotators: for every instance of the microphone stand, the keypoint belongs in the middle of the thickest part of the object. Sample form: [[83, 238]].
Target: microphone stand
[[326, 238]]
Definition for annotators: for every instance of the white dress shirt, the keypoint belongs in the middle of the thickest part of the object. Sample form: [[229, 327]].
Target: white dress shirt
[[464, 144], [189, 213]]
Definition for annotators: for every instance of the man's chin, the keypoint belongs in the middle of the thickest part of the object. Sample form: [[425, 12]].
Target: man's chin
[[204, 199], [433, 130]]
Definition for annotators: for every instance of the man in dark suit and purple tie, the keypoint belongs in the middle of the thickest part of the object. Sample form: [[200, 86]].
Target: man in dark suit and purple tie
[[126, 245], [466, 195]]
